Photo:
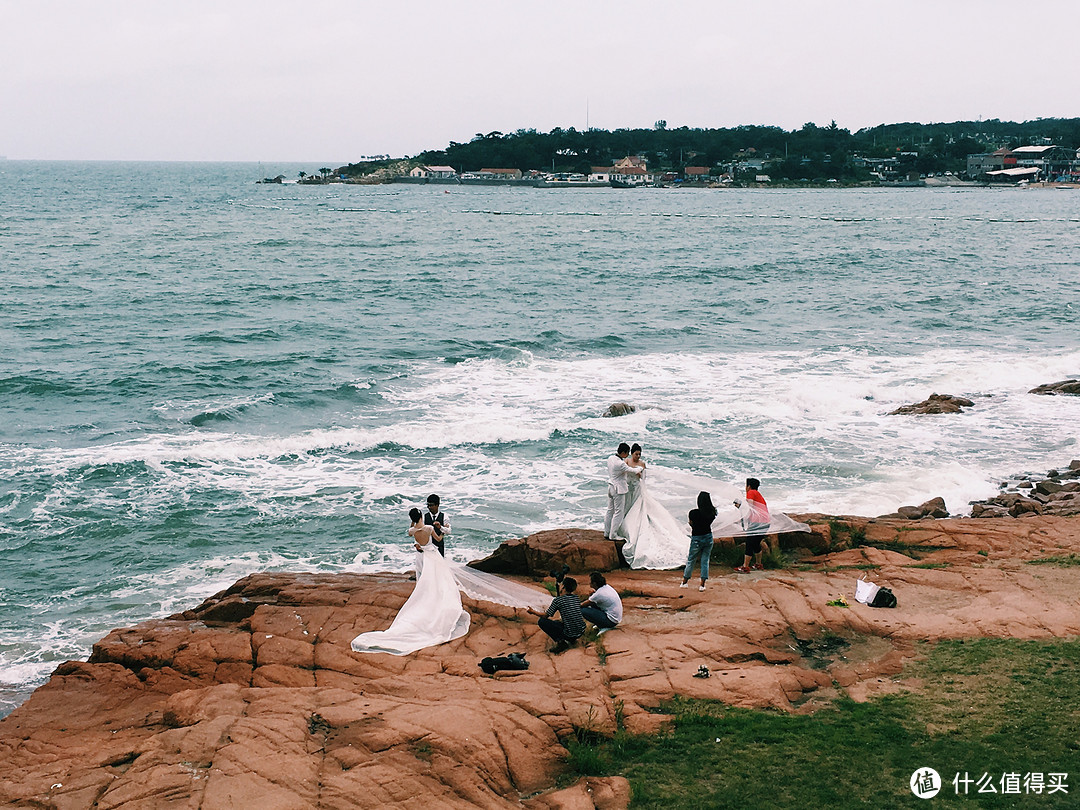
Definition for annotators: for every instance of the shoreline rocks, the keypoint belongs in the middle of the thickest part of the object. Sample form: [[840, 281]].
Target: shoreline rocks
[[1057, 493], [1064, 387], [254, 697]]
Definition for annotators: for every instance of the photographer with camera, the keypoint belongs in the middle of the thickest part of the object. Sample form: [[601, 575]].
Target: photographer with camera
[[571, 624]]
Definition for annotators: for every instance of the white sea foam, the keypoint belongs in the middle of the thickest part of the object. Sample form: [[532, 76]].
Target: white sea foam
[[529, 432]]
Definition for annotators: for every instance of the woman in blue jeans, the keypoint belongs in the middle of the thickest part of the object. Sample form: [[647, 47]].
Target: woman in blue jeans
[[701, 539]]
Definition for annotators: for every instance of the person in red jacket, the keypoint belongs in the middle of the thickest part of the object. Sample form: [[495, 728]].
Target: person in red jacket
[[756, 525]]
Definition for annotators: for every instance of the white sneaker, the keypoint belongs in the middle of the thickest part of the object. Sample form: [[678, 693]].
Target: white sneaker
[[701, 588], [685, 585]]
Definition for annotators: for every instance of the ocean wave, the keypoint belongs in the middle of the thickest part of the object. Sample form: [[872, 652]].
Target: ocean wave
[[40, 386], [256, 336]]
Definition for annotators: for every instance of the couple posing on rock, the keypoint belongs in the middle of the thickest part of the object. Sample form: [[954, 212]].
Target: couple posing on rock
[[624, 467]]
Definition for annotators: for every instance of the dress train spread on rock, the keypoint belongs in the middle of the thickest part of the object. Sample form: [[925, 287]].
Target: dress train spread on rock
[[431, 615]]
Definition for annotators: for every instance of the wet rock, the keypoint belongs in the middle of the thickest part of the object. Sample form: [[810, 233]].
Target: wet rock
[[1070, 387], [984, 510], [934, 508], [937, 403], [619, 409], [1052, 495], [584, 550]]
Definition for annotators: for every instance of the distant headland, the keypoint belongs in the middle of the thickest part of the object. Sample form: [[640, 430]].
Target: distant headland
[[1046, 150]]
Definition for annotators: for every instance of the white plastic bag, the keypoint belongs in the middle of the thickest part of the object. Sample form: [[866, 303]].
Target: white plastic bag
[[865, 590]]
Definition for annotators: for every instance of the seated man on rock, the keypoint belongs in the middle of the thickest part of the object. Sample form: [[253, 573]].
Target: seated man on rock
[[604, 607], [572, 624]]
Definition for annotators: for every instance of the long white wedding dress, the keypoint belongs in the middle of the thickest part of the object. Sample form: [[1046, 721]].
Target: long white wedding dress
[[431, 615], [655, 539]]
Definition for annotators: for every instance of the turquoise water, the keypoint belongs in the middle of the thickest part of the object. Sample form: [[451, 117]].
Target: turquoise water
[[203, 377]]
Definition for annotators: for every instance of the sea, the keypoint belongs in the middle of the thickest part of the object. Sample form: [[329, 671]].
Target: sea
[[202, 377]]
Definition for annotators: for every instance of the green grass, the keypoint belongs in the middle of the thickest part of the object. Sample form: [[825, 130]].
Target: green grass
[[729, 556], [986, 706], [839, 530], [1071, 559]]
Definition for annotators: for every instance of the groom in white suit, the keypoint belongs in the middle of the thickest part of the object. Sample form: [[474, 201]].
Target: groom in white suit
[[618, 486]]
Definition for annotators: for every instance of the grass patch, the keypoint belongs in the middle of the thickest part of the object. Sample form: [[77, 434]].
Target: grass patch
[[840, 531], [907, 549], [930, 565], [1069, 560], [988, 706], [860, 567], [729, 556]]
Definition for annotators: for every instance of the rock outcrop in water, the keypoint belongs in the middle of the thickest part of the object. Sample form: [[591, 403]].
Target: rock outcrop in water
[[619, 409], [937, 403], [254, 699], [933, 508], [1064, 387]]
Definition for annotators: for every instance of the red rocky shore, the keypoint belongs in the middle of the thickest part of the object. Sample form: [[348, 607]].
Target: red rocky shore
[[254, 699]]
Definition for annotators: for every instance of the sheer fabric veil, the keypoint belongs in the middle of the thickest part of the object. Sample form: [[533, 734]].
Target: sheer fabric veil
[[659, 540]]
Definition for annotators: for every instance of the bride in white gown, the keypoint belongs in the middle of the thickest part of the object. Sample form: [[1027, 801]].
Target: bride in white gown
[[655, 538], [433, 613]]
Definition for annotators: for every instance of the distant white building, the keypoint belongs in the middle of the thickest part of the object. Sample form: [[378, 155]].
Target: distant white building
[[434, 172]]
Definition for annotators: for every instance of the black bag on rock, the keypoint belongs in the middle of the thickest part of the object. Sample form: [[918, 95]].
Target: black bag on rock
[[883, 598], [511, 661]]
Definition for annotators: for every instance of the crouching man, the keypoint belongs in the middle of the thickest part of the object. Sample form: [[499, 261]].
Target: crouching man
[[571, 625], [604, 607]]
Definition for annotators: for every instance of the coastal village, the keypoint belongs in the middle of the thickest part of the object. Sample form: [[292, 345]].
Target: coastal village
[[1025, 164], [1045, 164]]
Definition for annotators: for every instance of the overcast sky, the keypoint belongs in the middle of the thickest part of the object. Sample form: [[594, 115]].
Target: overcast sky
[[331, 81]]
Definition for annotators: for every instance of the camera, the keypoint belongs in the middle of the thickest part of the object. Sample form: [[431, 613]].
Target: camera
[[560, 573]]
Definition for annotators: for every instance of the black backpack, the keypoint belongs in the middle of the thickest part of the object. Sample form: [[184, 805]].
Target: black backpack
[[883, 598], [511, 661]]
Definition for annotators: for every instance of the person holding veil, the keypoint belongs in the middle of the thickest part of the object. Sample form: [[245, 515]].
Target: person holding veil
[[757, 524], [432, 614]]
